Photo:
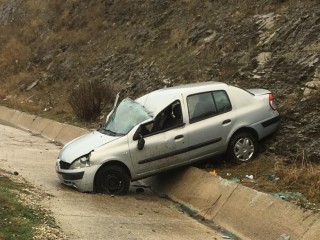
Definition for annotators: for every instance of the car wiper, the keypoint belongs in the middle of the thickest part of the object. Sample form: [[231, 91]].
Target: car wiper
[[106, 131], [101, 129], [111, 133]]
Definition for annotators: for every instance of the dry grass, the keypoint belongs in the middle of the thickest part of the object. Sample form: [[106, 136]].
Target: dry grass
[[13, 52], [70, 37], [16, 82], [301, 175]]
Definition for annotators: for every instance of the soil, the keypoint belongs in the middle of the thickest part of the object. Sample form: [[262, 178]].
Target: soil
[[48, 47]]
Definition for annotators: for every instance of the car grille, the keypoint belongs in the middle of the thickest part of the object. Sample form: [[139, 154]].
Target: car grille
[[64, 165]]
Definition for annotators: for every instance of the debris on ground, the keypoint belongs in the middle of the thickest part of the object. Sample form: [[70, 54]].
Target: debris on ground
[[288, 195], [284, 237], [213, 172], [236, 180], [13, 173], [229, 236], [249, 177]]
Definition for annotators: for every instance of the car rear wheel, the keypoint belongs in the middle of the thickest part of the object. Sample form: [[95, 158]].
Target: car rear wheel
[[243, 147], [112, 179]]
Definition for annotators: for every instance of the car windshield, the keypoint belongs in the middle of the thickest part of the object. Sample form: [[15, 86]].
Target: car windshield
[[127, 115]]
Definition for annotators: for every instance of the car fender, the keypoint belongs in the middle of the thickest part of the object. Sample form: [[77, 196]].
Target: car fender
[[116, 151], [114, 161], [242, 128]]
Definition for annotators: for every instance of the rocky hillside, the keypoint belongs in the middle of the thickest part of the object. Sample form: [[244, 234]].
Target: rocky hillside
[[47, 47]]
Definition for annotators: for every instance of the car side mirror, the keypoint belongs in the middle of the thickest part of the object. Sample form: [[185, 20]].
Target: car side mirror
[[141, 142], [137, 134]]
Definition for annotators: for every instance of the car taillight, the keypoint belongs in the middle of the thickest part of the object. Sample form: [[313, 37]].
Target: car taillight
[[271, 102]]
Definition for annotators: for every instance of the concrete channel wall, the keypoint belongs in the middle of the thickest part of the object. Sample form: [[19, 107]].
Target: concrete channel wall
[[246, 212]]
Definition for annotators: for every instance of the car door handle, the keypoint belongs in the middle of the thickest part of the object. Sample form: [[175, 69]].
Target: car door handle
[[178, 137], [226, 121]]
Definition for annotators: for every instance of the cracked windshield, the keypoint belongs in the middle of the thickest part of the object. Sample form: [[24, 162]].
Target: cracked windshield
[[127, 115]]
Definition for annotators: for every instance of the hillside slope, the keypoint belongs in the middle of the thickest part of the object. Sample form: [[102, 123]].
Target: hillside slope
[[47, 47]]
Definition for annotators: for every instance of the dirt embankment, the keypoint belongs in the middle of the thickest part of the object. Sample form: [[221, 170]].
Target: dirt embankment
[[47, 47]]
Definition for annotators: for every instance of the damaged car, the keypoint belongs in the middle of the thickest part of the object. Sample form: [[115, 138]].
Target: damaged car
[[165, 129]]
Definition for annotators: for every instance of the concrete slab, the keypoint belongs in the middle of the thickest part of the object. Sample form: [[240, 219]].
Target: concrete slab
[[27, 120], [52, 129], [69, 133], [244, 211], [39, 124], [313, 232], [16, 118], [6, 113], [197, 189], [23, 120], [255, 215]]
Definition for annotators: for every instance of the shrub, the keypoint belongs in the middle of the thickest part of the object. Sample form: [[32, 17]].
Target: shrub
[[89, 98]]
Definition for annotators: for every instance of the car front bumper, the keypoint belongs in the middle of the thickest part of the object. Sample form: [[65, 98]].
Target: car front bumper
[[82, 179]]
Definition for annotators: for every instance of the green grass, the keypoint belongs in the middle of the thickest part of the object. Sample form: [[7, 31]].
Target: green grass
[[16, 220]]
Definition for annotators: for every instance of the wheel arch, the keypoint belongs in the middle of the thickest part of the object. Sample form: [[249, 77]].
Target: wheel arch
[[246, 130], [109, 163]]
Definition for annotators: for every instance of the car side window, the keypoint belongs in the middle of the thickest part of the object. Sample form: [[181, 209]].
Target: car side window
[[204, 105], [168, 118], [201, 106], [222, 101]]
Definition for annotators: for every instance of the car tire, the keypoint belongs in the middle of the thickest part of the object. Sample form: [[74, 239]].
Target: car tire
[[112, 179], [243, 147]]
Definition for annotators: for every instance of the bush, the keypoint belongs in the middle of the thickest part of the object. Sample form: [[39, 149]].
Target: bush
[[89, 98]]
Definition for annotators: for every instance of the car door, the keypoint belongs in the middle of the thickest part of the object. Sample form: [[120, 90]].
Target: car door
[[210, 120], [163, 148]]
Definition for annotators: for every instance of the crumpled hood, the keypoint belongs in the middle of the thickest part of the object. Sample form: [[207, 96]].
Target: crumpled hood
[[84, 145]]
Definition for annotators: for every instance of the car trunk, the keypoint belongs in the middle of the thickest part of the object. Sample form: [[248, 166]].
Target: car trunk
[[258, 91]]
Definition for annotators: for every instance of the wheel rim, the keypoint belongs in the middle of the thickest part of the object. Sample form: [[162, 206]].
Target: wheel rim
[[244, 149], [112, 183]]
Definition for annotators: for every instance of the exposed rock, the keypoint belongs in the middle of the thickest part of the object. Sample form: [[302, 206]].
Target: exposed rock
[[264, 57], [35, 83], [313, 84]]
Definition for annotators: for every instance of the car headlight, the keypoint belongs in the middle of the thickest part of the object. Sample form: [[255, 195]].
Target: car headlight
[[81, 162]]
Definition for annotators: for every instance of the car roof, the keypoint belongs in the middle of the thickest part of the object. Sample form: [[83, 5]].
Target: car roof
[[157, 100]]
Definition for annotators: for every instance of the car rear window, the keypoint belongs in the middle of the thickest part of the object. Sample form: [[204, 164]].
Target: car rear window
[[204, 105], [222, 101]]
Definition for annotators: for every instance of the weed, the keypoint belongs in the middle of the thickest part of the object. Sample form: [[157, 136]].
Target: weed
[[89, 98], [21, 215], [16, 220]]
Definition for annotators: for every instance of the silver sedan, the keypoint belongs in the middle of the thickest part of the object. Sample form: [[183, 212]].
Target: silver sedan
[[165, 129]]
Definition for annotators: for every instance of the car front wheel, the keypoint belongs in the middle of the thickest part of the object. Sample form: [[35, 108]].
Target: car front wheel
[[112, 179], [243, 147]]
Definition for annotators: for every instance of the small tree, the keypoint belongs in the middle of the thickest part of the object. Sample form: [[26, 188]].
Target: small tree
[[89, 98]]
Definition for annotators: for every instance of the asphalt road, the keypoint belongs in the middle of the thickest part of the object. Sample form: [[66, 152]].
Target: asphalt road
[[95, 216]]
